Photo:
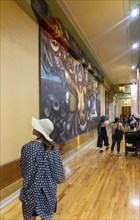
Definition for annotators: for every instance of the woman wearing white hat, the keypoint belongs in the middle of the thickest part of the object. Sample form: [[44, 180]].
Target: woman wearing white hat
[[42, 170], [137, 118]]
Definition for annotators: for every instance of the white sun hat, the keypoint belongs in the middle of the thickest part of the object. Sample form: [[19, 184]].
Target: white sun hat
[[44, 126], [137, 116]]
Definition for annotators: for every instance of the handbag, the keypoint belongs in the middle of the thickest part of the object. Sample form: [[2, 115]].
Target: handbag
[[118, 134]]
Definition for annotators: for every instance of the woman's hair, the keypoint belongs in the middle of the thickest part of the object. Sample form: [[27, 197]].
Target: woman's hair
[[116, 120], [47, 144], [103, 118]]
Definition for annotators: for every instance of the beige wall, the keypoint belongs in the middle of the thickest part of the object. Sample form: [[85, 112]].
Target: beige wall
[[19, 79]]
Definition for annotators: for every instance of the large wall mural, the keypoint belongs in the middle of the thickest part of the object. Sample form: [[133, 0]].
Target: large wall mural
[[69, 94], [58, 32]]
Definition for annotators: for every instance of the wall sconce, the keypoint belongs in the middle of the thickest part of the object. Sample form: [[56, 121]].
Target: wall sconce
[[121, 88], [125, 102]]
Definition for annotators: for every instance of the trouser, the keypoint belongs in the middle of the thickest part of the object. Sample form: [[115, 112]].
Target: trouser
[[101, 138], [114, 141]]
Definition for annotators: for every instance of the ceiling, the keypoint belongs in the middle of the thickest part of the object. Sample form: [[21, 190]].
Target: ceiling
[[109, 32]]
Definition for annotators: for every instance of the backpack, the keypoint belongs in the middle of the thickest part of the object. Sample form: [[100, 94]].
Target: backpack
[[118, 134]]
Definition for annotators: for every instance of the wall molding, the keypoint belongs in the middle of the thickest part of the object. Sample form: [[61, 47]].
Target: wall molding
[[9, 199], [9, 173]]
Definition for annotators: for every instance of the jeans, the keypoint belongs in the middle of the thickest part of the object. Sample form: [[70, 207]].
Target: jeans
[[114, 141]]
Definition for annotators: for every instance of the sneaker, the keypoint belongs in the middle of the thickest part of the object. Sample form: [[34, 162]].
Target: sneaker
[[119, 154], [107, 148], [101, 151]]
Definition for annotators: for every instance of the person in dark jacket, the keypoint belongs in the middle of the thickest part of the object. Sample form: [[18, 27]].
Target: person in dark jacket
[[102, 134], [42, 170]]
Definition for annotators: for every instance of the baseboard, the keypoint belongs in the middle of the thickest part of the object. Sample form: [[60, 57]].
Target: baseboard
[[9, 199], [10, 172], [79, 151]]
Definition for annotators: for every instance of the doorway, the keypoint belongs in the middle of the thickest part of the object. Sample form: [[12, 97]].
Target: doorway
[[126, 110]]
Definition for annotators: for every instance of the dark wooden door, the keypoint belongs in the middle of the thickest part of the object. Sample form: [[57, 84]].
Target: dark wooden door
[[126, 110]]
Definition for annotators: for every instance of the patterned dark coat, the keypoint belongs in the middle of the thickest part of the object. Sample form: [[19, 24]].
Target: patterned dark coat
[[41, 170]]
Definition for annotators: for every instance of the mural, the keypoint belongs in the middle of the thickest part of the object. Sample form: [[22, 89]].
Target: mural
[[69, 94], [59, 33], [107, 105]]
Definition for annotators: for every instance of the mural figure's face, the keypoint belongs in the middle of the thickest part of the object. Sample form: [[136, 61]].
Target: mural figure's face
[[70, 65], [54, 45], [80, 78], [57, 60], [58, 29]]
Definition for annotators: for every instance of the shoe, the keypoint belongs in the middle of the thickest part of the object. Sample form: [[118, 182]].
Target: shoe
[[119, 154], [107, 148], [111, 154], [101, 151]]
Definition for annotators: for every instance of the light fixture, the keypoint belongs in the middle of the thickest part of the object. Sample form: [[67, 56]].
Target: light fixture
[[121, 88], [133, 67], [135, 46], [134, 12], [125, 102]]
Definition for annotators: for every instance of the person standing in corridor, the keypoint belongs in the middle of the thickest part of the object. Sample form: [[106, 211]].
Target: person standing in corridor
[[117, 135], [102, 134], [42, 170]]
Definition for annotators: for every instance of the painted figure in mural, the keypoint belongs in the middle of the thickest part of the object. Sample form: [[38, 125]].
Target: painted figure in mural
[[42, 170], [84, 88], [51, 55], [78, 83], [92, 90], [53, 91], [102, 134]]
